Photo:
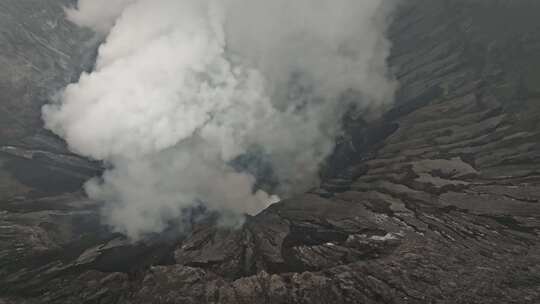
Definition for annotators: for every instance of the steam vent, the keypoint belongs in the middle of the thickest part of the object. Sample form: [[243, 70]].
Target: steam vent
[[254, 151]]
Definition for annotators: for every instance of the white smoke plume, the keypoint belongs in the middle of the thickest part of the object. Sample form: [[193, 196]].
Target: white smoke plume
[[182, 88], [99, 15]]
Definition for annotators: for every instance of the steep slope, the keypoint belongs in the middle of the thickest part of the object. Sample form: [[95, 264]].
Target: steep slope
[[438, 201], [42, 213], [40, 52]]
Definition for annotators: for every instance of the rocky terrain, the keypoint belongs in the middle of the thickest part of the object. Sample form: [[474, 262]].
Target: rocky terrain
[[438, 201], [39, 53]]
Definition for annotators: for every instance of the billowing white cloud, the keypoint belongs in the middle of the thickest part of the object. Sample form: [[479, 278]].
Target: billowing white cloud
[[99, 15], [183, 87]]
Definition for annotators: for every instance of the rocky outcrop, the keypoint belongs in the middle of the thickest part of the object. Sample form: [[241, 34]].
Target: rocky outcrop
[[438, 201]]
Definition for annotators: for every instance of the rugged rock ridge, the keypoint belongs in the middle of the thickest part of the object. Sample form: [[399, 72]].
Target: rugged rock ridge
[[436, 202]]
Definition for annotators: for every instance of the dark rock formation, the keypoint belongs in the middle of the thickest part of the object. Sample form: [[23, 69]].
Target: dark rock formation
[[438, 201]]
